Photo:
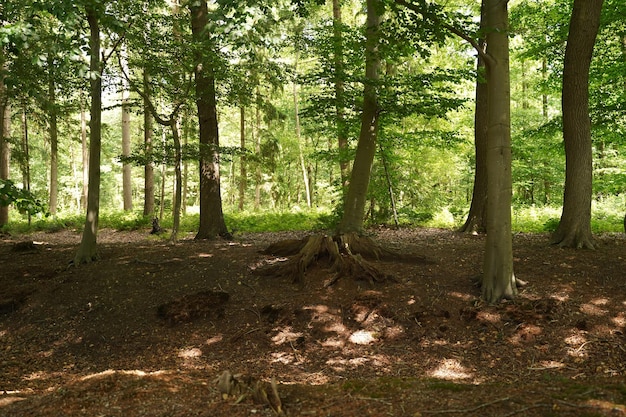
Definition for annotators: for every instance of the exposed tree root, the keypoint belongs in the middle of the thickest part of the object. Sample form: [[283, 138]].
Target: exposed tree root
[[345, 256]]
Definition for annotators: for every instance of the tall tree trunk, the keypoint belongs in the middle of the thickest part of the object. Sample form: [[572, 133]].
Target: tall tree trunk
[[354, 205], [211, 215], [498, 280], [148, 132], [127, 179], [340, 100], [574, 229], [5, 133], [243, 175], [477, 216], [88, 251], [257, 151], [25, 153], [183, 206], [53, 131], [305, 176], [174, 125], [85, 156]]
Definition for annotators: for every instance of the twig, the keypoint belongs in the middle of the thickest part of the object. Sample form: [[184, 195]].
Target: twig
[[466, 410], [530, 407]]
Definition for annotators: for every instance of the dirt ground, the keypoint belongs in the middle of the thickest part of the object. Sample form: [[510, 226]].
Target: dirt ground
[[153, 329]]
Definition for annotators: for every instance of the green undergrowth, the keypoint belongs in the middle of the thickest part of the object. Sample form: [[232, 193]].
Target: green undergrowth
[[529, 219]]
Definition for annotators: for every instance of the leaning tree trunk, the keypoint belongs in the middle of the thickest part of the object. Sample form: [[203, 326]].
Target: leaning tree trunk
[[354, 205], [211, 215], [574, 229], [498, 280], [477, 216], [88, 251]]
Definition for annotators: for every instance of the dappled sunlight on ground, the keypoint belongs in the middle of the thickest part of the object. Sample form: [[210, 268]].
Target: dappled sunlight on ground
[[90, 338]]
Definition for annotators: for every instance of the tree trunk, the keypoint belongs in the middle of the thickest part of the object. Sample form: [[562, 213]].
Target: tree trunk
[[305, 176], [354, 205], [242, 163], [211, 216], [127, 179], [53, 131], [174, 125], [477, 216], [87, 251], [5, 148], [257, 151], [85, 156], [342, 128], [498, 281], [148, 132], [574, 229], [25, 153]]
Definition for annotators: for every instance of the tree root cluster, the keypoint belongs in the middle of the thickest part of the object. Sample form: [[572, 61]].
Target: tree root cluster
[[345, 255]]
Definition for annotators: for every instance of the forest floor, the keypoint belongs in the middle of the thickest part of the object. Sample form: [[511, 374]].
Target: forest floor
[[147, 330]]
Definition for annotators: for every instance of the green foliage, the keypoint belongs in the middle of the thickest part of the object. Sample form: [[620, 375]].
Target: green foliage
[[22, 199], [274, 221]]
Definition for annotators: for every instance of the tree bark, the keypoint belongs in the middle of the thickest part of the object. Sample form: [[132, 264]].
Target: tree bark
[[342, 128], [243, 175], [25, 152], [85, 156], [477, 216], [498, 280], [354, 205], [211, 215], [574, 229], [87, 251], [175, 127], [127, 179], [148, 132], [5, 132], [53, 131]]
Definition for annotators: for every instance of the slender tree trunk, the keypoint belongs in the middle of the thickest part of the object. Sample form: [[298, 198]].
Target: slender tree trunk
[[498, 280], [257, 151], [148, 132], [477, 216], [5, 148], [87, 251], [211, 215], [25, 153], [340, 100], [305, 176], [354, 206], [163, 175], [574, 229], [5, 133], [127, 179], [183, 207], [85, 156], [243, 175], [174, 125], [53, 131]]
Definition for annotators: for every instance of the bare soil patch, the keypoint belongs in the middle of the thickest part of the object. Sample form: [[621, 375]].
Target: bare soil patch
[[149, 328]]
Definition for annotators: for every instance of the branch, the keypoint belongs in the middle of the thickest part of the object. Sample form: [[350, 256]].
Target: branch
[[117, 43], [454, 30], [144, 96]]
